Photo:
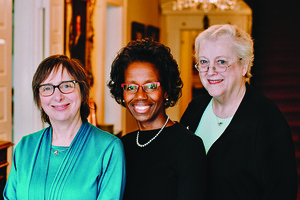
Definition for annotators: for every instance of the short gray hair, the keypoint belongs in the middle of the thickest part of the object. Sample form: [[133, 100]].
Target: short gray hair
[[242, 42]]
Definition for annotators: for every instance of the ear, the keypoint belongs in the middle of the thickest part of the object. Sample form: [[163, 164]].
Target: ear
[[244, 65], [166, 95]]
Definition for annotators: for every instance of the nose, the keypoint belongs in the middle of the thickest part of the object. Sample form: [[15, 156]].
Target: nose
[[141, 94], [57, 95], [211, 70]]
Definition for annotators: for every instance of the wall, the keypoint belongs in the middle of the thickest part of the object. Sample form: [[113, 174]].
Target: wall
[[146, 12], [142, 11], [174, 26], [32, 43], [28, 53]]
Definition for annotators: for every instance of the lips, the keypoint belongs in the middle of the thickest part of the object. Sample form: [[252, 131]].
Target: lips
[[214, 81], [141, 108], [60, 107]]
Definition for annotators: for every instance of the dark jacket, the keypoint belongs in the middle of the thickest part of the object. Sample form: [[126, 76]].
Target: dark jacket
[[254, 158]]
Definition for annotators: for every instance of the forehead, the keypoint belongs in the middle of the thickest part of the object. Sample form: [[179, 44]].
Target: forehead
[[58, 74], [211, 49], [141, 72]]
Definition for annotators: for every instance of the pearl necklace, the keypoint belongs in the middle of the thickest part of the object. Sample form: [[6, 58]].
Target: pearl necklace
[[56, 152], [143, 145]]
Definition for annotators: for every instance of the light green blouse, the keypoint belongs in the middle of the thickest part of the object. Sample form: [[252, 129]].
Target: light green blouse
[[211, 127]]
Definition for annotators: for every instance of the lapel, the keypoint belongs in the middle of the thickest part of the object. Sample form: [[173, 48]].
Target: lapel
[[69, 161], [243, 118], [39, 166], [194, 112]]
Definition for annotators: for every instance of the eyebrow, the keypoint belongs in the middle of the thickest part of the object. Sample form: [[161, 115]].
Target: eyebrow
[[55, 84], [217, 58], [148, 81]]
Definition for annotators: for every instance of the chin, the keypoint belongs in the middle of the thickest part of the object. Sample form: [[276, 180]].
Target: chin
[[214, 93], [141, 118]]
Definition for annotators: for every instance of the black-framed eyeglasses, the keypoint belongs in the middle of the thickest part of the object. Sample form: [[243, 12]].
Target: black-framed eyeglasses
[[65, 87], [147, 87], [220, 66]]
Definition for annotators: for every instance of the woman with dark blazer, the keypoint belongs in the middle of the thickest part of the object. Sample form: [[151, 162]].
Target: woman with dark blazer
[[250, 151]]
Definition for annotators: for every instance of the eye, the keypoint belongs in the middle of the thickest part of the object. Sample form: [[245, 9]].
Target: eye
[[130, 87], [221, 62], [46, 88], [203, 62], [151, 85], [67, 85]]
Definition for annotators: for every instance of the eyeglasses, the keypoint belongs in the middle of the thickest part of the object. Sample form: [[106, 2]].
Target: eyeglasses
[[220, 66], [65, 87], [133, 88]]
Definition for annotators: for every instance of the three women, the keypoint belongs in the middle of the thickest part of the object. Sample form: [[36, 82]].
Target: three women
[[250, 152]]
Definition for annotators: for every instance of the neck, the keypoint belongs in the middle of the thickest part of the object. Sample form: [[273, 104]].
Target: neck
[[64, 133], [157, 124], [225, 107]]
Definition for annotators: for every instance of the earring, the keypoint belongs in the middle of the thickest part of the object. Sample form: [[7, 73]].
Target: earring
[[123, 101], [167, 99]]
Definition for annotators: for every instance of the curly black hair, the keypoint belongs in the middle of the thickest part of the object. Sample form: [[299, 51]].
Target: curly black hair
[[147, 50]]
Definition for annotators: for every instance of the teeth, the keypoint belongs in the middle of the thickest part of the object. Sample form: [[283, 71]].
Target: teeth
[[214, 81], [141, 107], [59, 106]]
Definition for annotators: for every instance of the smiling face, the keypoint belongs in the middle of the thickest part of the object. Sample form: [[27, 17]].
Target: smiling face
[[58, 106], [227, 83], [147, 108]]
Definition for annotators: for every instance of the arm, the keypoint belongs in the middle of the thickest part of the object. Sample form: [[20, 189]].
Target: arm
[[192, 175], [112, 182], [276, 160], [11, 184]]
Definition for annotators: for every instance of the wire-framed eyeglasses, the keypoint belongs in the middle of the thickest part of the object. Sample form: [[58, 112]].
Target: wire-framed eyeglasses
[[220, 66], [147, 87], [65, 87]]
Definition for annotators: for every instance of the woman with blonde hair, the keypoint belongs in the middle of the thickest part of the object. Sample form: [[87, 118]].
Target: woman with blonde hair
[[249, 147]]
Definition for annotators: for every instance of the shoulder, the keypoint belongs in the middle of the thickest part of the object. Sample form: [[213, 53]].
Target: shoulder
[[99, 136], [30, 139], [264, 117], [200, 100], [184, 136], [96, 132], [186, 144], [263, 106], [28, 146], [129, 137], [194, 110]]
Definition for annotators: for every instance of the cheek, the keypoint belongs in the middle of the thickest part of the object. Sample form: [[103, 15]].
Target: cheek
[[157, 97], [127, 97], [44, 102], [80, 97], [202, 76], [75, 96]]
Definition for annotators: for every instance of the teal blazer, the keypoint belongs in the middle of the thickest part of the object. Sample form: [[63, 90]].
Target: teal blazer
[[93, 167]]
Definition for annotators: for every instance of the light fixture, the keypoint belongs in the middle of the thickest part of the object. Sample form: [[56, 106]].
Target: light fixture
[[205, 5]]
